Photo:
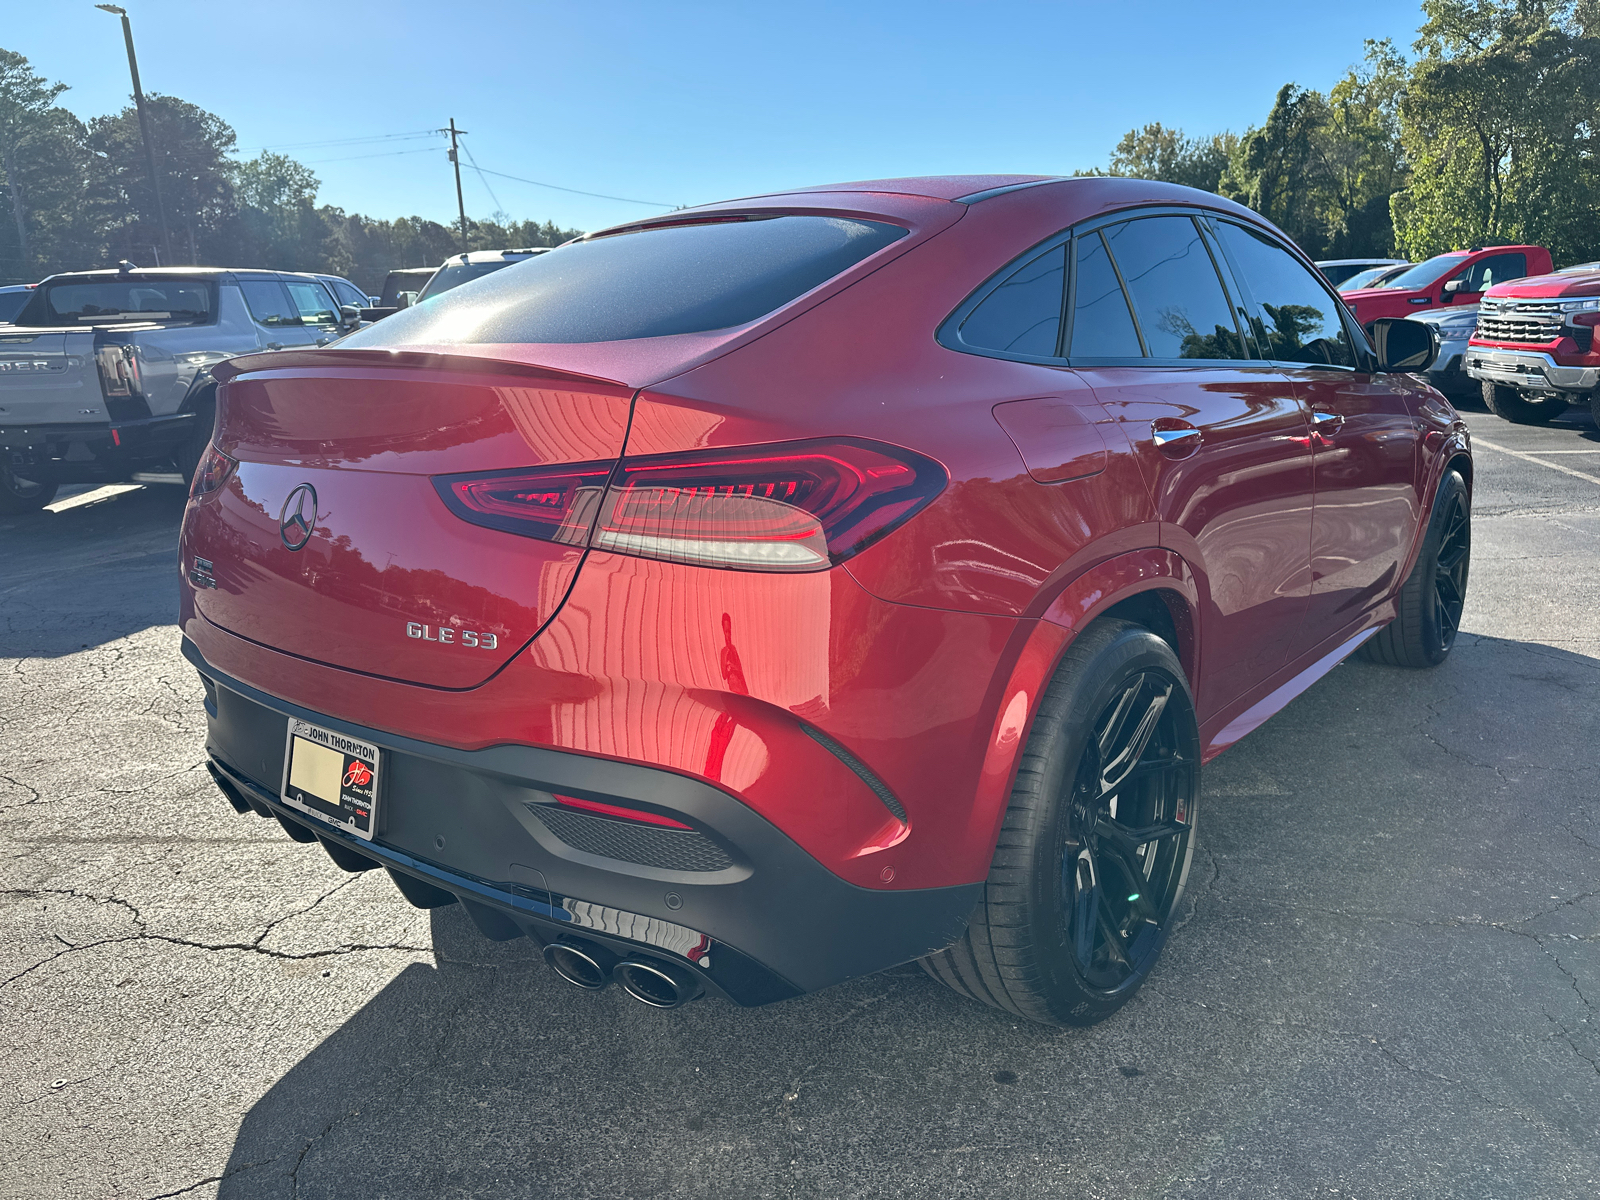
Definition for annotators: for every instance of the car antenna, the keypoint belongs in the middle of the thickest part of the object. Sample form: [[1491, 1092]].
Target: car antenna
[[124, 266]]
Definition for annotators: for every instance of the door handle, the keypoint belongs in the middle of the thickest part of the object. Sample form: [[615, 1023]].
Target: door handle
[[1327, 422], [1175, 439]]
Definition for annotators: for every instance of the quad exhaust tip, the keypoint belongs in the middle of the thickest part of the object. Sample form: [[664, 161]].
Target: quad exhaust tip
[[658, 984]]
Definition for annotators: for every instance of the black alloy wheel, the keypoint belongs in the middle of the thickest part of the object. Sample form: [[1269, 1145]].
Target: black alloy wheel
[[19, 495], [1450, 569], [1126, 841], [1097, 838], [1428, 608]]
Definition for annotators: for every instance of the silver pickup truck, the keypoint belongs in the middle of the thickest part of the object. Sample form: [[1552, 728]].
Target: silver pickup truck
[[105, 374]]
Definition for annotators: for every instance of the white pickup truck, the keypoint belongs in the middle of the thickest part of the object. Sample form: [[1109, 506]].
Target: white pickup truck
[[106, 374]]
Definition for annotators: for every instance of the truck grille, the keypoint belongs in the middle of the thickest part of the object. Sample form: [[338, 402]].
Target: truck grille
[[1519, 321]]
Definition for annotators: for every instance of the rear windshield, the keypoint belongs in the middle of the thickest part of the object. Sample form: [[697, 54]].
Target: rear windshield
[[1424, 273], [453, 275], [179, 301], [649, 283]]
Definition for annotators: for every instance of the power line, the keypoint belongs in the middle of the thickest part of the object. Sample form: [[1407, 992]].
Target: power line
[[384, 154], [473, 163], [575, 191], [351, 141]]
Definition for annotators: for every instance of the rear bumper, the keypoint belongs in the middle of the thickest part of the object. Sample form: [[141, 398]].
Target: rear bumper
[[93, 453], [1531, 370], [755, 916]]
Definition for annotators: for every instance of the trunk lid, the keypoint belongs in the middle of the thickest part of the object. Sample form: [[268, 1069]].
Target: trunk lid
[[388, 581], [49, 377]]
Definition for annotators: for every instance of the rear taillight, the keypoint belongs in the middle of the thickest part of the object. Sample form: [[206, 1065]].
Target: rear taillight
[[557, 504], [793, 506], [212, 473]]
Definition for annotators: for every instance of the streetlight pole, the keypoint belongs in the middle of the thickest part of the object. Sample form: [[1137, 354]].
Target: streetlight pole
[[144, 126], [461, 205]]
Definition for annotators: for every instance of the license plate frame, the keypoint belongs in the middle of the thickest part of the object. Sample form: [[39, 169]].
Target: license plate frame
[[310, 772]]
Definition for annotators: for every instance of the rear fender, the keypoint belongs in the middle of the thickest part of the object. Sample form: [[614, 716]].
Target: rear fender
[[1085, 598]]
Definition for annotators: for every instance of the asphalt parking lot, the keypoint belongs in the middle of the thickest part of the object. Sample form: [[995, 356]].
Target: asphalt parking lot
[[1385, 986]]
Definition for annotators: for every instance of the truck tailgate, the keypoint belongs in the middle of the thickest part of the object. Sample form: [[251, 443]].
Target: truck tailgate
[[49, 377]]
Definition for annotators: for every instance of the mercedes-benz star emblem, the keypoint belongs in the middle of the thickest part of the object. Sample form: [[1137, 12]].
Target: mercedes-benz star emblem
[[298, 517]]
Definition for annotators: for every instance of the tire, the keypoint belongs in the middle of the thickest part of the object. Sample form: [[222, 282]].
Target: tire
[[1511, 405], [1430, 602], [187, 457], [1052, 939], [23, 495]]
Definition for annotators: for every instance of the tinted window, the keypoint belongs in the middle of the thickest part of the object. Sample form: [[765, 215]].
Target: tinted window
[[313, 305], [348, 293], [1497, 268], [269, 303], [1177, 296], [1302, 320], [649, 283], [1102, 326], [185, 300], [1023, 314]]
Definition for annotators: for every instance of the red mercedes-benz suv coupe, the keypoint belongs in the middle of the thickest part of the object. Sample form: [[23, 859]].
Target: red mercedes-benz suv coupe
[[778, 591]]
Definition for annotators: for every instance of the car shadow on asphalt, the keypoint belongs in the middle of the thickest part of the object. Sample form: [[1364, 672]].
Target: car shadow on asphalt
[[484, 1074], [89, 574]]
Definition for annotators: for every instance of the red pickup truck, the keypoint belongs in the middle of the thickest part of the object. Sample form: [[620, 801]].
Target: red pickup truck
[[1458, 278], [1534, 348]]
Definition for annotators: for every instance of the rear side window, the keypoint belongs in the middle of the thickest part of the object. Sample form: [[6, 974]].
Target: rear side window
[[648, 283], [1497, 268], [1023, 314], [269, 304], [1178, 298], [313, 305], [1300, 320], [1102, 325]]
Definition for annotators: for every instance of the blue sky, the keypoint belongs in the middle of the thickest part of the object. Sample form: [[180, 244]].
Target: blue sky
[[692, 102]]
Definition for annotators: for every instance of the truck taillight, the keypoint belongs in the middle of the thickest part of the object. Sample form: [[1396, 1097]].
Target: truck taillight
[[792, 506], [119, 371]]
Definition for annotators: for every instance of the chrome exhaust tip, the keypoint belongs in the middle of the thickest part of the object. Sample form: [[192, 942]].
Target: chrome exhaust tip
[[658, 984], [580, 963]]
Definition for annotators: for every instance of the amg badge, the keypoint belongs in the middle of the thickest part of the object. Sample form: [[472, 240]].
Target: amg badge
[[446, 636]]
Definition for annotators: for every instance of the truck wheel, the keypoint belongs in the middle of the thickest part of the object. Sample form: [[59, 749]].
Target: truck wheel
[[19, 495], [1097, 838], [1430, 602], [187, 456], [1511, 405]]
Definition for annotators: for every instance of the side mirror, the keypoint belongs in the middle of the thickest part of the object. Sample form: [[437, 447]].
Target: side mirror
[[349, 315], [1452, 286], [1404, 346]]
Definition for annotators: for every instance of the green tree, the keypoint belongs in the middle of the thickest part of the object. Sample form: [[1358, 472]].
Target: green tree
[[278, 224], [1157, 152], [32, 133], [196, 176], [1500, 122]]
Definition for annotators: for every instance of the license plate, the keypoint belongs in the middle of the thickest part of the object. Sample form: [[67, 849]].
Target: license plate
[[333, 777]]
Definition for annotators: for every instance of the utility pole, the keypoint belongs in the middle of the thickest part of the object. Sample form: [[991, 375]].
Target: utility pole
[[455, 157], [144, 125]]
